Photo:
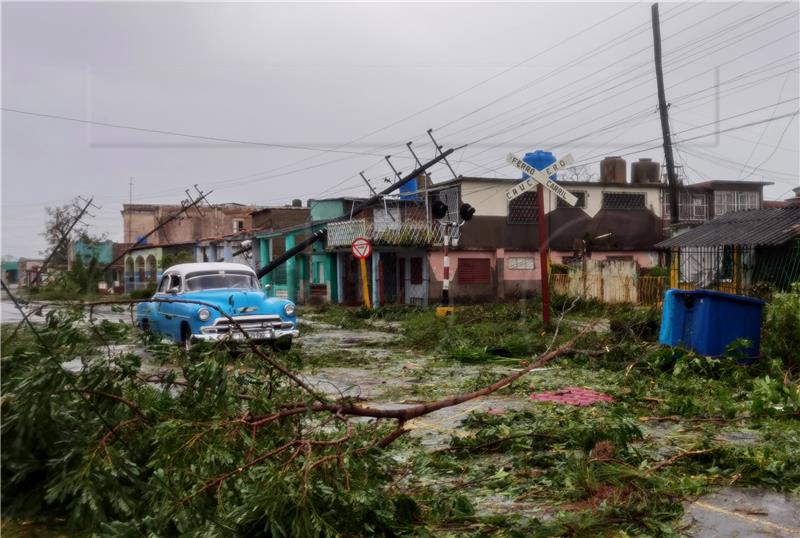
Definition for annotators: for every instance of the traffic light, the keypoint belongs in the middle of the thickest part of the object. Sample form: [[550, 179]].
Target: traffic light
[[466, 211], [439, 209]]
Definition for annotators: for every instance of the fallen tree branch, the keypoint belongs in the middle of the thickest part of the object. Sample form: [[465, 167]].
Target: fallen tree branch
[[676, 457]]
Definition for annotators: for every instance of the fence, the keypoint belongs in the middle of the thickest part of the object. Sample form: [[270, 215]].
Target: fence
[[611, 282], [739, 270]]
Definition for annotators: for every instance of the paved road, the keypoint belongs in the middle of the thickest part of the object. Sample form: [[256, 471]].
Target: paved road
[[10, 314]]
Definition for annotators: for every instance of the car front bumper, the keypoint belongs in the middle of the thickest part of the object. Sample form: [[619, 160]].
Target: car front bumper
[[237, 336]]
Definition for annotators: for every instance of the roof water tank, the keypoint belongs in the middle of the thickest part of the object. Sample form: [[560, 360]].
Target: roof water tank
[[540, 160], [645, 171], [408, 191], [612, 170]]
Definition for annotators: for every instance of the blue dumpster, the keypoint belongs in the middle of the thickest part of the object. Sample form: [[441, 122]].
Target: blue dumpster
[[708, 321]]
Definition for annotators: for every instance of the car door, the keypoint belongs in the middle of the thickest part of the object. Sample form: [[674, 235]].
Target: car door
[[155, 307], [169, 322]]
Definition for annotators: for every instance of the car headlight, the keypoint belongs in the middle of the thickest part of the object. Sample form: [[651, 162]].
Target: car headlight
[[289, 309], [203, 314]]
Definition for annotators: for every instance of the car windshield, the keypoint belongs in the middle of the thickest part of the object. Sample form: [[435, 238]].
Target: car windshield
[[218, 280]]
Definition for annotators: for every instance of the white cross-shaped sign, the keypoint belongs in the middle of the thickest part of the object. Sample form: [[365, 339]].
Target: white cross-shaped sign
[[542, 177]]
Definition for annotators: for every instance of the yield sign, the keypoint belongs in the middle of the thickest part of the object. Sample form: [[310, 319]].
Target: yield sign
[[542, 177], [361, 248]]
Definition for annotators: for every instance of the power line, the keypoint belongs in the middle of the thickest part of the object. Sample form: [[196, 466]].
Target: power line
[[181, 134]]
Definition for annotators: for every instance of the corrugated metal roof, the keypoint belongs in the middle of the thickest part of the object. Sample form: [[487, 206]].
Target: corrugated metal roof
[[757, 227]]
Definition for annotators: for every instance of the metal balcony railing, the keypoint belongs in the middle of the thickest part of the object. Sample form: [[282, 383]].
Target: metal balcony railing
[[403, 234]]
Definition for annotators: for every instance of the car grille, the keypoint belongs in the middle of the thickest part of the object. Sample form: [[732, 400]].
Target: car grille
[[248, 323]]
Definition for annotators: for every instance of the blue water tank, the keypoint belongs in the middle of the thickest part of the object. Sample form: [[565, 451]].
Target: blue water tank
[[708, 321], [540, 160], [409, 190]]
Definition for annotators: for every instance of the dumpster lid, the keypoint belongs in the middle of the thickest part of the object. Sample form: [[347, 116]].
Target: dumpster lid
[[718, 294]]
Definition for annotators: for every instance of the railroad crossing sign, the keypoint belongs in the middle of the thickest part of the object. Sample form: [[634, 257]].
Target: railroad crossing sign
[[542, 177], [361, 248]]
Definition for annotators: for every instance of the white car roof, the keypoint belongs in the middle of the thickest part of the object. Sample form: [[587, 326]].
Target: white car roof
[[185, 268]]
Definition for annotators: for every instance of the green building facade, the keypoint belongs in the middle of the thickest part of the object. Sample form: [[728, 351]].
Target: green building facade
[[310, 276]]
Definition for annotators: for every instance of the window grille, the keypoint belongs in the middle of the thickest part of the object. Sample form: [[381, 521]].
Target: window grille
[[279, 275], [474, 270], [727, 201], [524, 209], [623, 200], [452, 199], [581, 203], [691, 206]]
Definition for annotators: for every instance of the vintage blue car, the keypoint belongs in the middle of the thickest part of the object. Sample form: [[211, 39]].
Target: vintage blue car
[[234, 289]]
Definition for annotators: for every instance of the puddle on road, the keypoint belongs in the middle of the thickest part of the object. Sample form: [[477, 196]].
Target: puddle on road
[[331, 339], [743, 513]]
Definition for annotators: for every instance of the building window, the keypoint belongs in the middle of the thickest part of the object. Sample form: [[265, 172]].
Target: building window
[[238, 225], [474, 270], [727, 201], [524, 209], [416, 271], [521, 264], [623, 200], [581, 203]]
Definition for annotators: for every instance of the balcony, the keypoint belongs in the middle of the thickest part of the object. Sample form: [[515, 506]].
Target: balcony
[[412, 233]]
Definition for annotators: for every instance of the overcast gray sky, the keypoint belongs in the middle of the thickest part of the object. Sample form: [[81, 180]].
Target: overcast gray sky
[[365, 78]]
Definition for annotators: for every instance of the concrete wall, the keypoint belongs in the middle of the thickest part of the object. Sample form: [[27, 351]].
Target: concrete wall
[[326, 209], [489, 196], [102, 251], [645, 259], [461, 293], [275, 218]]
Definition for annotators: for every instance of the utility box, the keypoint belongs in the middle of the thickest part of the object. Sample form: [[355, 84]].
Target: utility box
[[707, 321]]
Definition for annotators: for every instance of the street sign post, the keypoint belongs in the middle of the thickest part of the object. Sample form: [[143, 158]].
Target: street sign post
[[362, 249], [540, 179]]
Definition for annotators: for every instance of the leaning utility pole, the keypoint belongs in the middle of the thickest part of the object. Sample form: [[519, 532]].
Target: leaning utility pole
[[662, 108], [316, 236]]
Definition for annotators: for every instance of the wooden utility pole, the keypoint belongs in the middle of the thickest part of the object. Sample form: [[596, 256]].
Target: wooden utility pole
[[543, 255], [662, 108]]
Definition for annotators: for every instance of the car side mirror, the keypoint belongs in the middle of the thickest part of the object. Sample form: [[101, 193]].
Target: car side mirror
[[173, 291]]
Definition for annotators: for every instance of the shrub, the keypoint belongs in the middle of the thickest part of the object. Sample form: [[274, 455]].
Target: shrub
[[781, 334]]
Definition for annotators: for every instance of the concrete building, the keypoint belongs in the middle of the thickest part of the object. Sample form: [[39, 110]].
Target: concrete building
[[11, 271], [496, 254], [194, 224], [29, 273], [104, 252]]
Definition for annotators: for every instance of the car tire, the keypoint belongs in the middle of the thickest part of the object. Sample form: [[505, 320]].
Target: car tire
[[282, 344]]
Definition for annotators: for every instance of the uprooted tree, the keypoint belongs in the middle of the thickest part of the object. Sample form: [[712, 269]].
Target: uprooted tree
[[210, 447]]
